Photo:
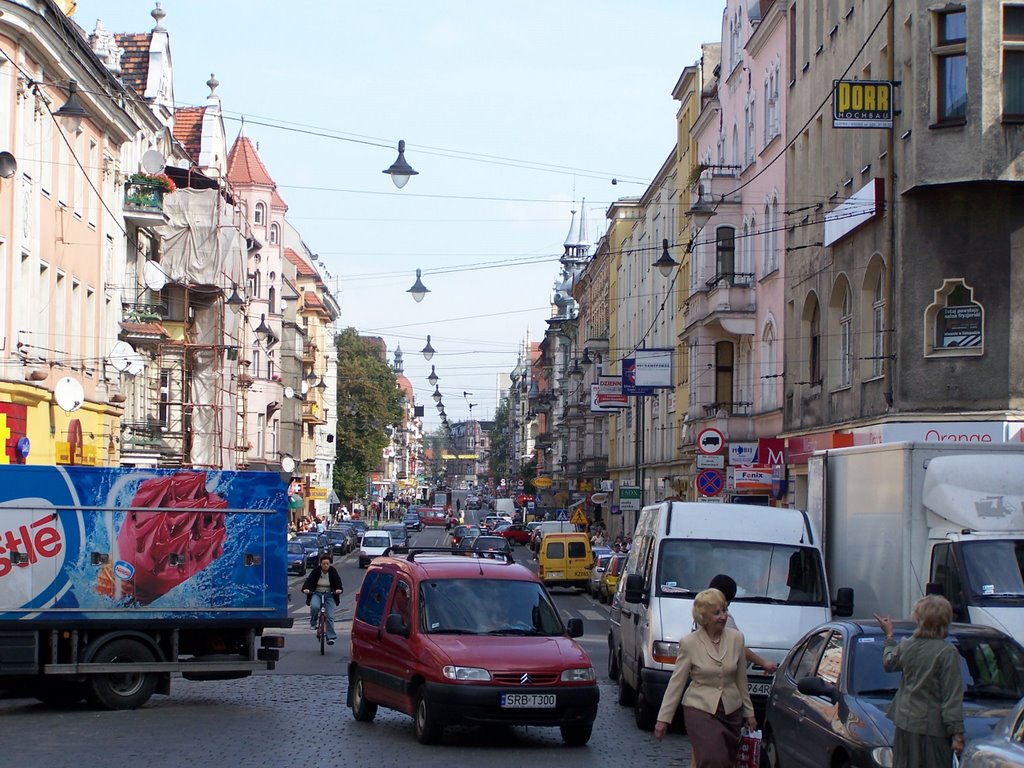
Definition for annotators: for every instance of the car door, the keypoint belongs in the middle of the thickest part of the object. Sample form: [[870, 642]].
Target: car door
[[821, 727], [367, 629], [396, 657], [787, 706]]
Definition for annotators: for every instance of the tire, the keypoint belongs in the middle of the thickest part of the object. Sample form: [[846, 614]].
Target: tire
[[613, 660], [626, 694], [644, 714], [427, 729], [362, 710], [769, 752], [576, 735], [129, 690]]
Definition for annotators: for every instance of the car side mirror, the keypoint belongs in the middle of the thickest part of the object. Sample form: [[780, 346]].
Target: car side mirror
[[815, 686], [395, 626], [574, 627], [843, 604], [634, 592]]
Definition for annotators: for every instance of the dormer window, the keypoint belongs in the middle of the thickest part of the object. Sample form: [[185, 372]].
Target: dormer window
[[260, 214], [275, 234]]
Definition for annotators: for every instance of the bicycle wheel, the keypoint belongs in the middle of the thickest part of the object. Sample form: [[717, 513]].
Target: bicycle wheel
[[321, 631]]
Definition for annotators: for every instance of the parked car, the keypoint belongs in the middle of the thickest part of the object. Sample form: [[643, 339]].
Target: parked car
[[827, 702], [317, 546], [339, 541], [493, 545], [600, 564], [348, 530], [296, 557], [454, 640], [399, 537], [610, 577], [462, 531], [515, 533], [373, 544], [1003, 748], [411, 520]]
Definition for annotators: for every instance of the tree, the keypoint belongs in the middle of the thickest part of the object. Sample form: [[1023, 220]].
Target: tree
[[500, 444], [369, 400]]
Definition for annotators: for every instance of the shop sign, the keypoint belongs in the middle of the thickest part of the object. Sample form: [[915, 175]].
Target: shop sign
[[629, 498], [742, 453], [861, 104], [801, 448]]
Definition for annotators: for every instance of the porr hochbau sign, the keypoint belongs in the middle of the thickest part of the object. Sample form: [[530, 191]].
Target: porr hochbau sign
[[861, 104]]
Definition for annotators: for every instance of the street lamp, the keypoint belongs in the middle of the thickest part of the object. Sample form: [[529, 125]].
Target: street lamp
[[666, 263], [701, 212], [263, 330], [72, 113], [436, 395], [432, 378], [400, 171], [428, 351], [418, 290]]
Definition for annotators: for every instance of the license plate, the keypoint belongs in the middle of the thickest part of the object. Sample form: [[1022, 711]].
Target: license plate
[[527, 701], [554, 574], [756, 688]]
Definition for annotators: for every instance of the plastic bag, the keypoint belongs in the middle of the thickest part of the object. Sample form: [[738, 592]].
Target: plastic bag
[[749, 753]]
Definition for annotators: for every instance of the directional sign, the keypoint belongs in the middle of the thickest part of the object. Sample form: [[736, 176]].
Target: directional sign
[[710, 440], [710, 482]]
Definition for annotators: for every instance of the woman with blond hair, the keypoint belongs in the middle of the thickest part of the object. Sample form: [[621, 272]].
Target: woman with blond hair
[[716, 704], [928, 707]]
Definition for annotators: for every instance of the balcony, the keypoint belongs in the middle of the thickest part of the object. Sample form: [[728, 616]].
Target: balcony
[[144, 202], [312, 413], [729, 302]]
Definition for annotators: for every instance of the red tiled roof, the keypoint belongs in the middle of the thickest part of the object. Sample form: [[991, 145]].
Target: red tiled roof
[[244, 164], [301, 267], [144, 329], [312, 300], [276, 201], [406, 386], [135, 61], [188, 129]]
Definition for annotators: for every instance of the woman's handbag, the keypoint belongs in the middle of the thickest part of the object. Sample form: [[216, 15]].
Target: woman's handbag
[[749, 754]]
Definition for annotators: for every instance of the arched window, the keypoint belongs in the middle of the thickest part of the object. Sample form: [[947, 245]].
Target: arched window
[[256, 279], [769, 383], [878, 325], [256, 362], [259, 215], [812, 334], [271, 300], [736, 160], [840, 329], [725, 255], [771, 222], [723, 376], [275, 234]]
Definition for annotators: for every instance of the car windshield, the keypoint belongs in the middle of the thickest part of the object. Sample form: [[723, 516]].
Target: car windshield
[[764, 573], [994, 568], [295, 547], [487, 607], [991, 667], [376, 540]]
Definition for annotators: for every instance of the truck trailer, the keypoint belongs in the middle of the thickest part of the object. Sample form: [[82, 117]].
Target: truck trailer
[[900, 520], [112, 579]]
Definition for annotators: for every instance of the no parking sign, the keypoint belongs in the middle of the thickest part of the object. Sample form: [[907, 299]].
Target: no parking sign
[[710, 482]]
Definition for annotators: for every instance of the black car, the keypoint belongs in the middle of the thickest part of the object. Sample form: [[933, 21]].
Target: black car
[[411, 520], [317, 546], [492, 545], [339, 541], [828, 700]]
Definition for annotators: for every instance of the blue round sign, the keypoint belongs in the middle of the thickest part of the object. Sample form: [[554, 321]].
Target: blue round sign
[[709, 482]]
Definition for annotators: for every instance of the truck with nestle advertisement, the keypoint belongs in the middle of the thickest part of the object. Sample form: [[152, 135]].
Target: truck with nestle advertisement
[[900, 520], [112, 579]]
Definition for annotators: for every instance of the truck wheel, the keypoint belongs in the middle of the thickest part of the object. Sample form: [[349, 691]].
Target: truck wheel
[[626, 693], [643, 712], [124, 690], [362, 710], [428, 730], [576, 735]]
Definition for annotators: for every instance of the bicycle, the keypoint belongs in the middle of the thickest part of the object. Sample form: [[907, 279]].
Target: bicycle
[[321, 621]]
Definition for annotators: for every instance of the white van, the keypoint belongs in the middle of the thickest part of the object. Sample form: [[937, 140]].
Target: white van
[[505, 507], [773, 554]]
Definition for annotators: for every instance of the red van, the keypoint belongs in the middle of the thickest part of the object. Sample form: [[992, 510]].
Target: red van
[[432, 515], [467, 640]]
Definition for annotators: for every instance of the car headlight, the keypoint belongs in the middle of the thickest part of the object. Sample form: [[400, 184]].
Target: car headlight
[[882, 756], [466, 673], [665, 652], [581, 675]]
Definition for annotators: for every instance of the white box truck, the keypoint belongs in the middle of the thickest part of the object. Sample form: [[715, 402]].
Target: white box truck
[[901, 519], [773, 554]]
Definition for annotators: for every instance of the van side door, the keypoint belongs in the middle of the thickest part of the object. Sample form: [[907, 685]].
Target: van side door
[[635, 621], [367, 630]]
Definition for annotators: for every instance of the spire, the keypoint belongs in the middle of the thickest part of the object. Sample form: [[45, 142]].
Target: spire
[[582, 240], [570, 239]]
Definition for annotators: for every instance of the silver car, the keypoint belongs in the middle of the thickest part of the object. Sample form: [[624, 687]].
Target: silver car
[[600, 564], [1003, 748]]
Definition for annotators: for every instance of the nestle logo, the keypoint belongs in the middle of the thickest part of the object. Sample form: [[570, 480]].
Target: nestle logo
[[123, 570], [27, 544]]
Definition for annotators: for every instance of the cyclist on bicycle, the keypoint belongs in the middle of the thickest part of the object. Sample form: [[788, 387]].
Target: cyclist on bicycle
[[320, 583]]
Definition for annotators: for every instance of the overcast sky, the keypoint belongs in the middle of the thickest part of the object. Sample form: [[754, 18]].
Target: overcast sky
[[512, 114]]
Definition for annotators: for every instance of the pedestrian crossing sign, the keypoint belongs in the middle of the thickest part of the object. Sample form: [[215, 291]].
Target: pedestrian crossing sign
[[578, 518]]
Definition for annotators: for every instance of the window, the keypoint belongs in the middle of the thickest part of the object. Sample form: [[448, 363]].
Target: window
[[1013, 62], [950, 55], [373, 595], [771, 222], [275, 234], [272, 300], [725, 254], [840, 320], [771, 103], [164, 400], [769, 385], [748, 139], [954, 322], [812, 324], [261, 434], [260, 213], [723, 376], [255, 362], [877, 327]]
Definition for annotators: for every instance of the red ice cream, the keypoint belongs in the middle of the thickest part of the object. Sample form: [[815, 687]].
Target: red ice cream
[[166, 548]]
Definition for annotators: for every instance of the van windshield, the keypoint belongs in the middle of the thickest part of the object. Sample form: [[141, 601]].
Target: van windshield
[[480, 606], [764, 573]]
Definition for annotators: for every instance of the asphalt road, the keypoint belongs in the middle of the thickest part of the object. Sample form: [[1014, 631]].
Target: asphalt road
[[296, 715]]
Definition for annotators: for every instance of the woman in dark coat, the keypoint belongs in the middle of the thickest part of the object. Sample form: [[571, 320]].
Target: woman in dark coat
[[928, 707]]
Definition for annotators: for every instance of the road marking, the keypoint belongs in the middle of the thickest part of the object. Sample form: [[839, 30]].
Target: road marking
[[591, 615]]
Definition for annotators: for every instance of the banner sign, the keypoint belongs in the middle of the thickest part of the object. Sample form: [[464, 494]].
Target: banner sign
[[629, 384], [653, 368], [606, 395], [861, 104]]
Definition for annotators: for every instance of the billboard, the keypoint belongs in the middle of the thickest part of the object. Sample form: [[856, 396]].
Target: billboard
[[861, 104], [653, 368], [606, 395]]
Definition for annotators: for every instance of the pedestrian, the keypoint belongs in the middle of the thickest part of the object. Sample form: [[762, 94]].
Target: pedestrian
[[710, 677], [727, 586], [927, 709]]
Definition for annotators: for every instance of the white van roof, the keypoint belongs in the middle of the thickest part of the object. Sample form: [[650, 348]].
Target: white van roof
[[728, 522]]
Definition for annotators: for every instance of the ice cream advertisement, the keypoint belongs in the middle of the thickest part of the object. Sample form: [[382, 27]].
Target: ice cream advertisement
[[80, 542]]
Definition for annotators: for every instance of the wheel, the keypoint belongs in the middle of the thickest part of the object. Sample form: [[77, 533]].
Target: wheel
[[769, 752], [626, 693], [362, 710], [428, 730], [576, 735], [125, 690], [322, 634], [613, 659], [644, 714]]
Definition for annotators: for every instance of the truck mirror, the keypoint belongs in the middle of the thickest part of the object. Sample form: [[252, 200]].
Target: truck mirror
[[843, 604], [634, 592]]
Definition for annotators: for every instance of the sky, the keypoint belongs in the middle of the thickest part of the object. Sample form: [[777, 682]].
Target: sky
[[513, 115]]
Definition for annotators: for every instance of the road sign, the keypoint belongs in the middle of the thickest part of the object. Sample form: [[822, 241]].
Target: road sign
[[710, 440], [562, 515], [710, 482], [704, 461], [578, 518]]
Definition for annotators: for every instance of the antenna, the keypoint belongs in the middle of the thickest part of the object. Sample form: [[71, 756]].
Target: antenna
[[69, 394], [8, 165], [153, 161], [121, 356], [153, 276], [287, 463]]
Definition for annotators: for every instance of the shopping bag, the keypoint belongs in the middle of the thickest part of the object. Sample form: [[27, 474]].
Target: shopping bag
[[749, 754]]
